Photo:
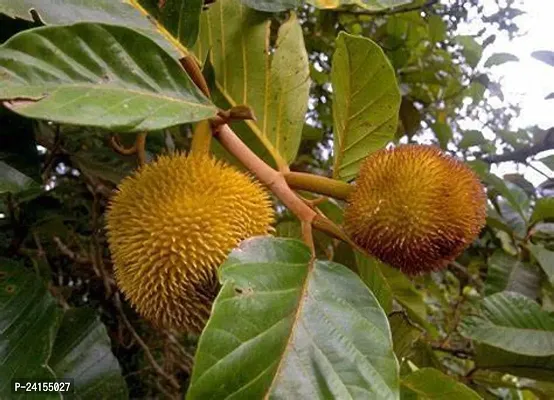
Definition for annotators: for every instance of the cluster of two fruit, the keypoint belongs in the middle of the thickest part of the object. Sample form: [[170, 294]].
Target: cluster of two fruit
[[174, 222]]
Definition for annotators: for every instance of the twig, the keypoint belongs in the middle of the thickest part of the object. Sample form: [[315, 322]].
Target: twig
[[522, 154], [79, 259], [137, 148], [460, 353], [159, 370]]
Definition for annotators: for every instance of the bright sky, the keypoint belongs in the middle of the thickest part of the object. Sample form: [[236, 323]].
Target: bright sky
[[528, 81]]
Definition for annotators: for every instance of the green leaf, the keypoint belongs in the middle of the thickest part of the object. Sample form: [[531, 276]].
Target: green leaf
[[499, 59], [106, 76], [470, 49], [507, 273], [515, 196], [540, 368], [545, 56], [545, 258], [181, 18], [437, 28], [275, 82], [404, 334], [443, 132], [472, 138], [286, 327], [13, 181], [82, 351], [512, 322], [429, 383], [369, 270], [272, 5], [28, 324], [115, 12], [548, 161], [372, 5], [406, 294], [410, 117], [366, 102], [543, 211]]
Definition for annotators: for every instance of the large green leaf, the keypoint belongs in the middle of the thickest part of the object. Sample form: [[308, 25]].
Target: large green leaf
[[128, 13], [180, 18], [366, 102], [512, 322], [82, 352], [98, 75], [369, 270], [29, 318], [288, 327], [540, 368], [430, 384], [13, 181], [545, 258], [507, 273], [273, 82]]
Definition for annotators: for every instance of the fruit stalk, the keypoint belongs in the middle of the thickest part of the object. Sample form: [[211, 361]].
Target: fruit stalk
[[318, 184]]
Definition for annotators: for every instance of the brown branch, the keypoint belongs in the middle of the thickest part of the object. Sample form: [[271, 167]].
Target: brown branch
[[66, 251], [273, 179], [137, 148], [159, 370], [521, 155]]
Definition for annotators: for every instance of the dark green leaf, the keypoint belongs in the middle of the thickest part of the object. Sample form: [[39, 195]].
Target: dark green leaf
[[28, 324], [369, 270], [507, 273], [366, 101], [404, 334], [545, 258], [106, 76], [543, 211], [512, 322], [287, 327], [472, 138], [115, 12], [431, 384], [272, 5], [181, 18], [82, 352], [499, 59], [13, 181]]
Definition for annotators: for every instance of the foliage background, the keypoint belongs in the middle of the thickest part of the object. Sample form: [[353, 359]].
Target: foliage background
[[55, 181]]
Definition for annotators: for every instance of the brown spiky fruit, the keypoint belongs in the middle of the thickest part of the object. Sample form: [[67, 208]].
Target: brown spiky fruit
[[415, 208], [171, 225]]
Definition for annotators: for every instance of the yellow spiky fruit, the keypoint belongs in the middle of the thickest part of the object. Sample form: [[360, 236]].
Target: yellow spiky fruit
[[415, 208], [171, 225]]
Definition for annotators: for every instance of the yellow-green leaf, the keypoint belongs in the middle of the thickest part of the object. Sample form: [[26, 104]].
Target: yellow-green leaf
[[366, 102]]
